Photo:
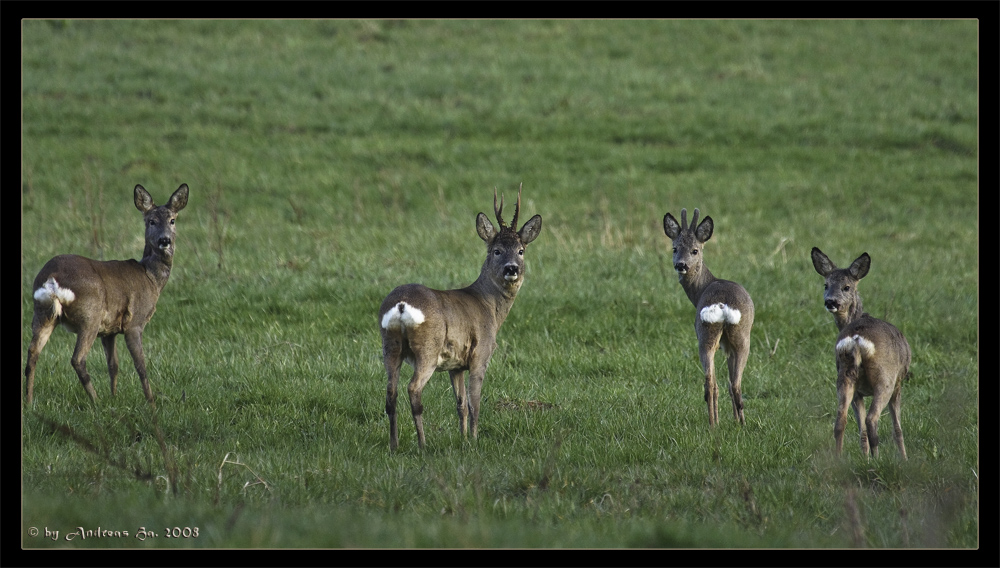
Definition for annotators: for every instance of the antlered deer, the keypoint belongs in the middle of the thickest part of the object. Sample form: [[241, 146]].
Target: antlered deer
[[723, 310], [454, 330], [95, 298], [872, 355]]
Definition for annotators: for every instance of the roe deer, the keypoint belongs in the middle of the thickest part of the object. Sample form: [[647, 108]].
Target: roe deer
[[454, 330], [94, 298], [723, 310], [872, 355]]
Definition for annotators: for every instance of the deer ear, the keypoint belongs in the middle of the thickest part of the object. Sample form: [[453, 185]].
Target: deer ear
[[704, 230], [529, 231], [179, 199], [485, 228], [822, 263], [859, 268], [143, 201], [670, 226]]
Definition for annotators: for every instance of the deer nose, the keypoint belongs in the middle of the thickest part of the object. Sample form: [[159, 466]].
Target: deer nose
[[164, 242], [510, 271], [832, 305], [680, 267]]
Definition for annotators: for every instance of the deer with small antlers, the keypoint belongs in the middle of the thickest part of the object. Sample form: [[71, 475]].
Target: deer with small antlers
[[454, 330], [723, 310], [872, 355], [95, 298]]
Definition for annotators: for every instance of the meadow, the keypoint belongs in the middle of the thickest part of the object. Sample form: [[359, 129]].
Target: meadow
[[330, 161]]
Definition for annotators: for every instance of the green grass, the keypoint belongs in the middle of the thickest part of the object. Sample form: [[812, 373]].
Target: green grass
[[330, 161]]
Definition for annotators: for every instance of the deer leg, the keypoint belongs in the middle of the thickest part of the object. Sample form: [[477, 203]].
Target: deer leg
[[736, 360], [475, 396], [711, 390], [879, 400], [111, 354], [84, 341], [133, 340], [393, 363], [897, 429], [41, 329], [461, 400], [708, 343], [477, 373], [858, 408], [421, 374], [845, 395]]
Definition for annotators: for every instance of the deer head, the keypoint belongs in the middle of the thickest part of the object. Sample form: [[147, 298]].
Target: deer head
[[840, 289], [505, 247], [688, 241]]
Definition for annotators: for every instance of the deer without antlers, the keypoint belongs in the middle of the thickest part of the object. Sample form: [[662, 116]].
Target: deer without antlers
[[454, 330], [723, 310], [95, 298], [872, 355]]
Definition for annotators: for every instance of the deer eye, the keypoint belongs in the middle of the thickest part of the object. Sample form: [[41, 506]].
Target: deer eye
[[521, 252], [172, 221], [826, 286], [694, 252], [496, 252], [675, 250], [847, 288]]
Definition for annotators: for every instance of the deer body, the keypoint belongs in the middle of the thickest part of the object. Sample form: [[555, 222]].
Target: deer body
[[724, 311], [94, 298], [872, 356], [454, 330]]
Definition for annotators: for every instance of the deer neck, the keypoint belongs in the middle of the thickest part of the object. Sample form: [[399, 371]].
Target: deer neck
[[847, 317], [695, 282], [157, 265], [498, 297]]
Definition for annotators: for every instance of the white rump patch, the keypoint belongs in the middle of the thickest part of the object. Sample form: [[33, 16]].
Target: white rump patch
[[720, 313], [402, 315], [866, 347], [51, 293]]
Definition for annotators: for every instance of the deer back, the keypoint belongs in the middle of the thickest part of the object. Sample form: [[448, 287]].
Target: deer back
[[109, 294]]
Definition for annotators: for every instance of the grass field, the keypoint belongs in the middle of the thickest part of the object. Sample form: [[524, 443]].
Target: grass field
[[330, 161]]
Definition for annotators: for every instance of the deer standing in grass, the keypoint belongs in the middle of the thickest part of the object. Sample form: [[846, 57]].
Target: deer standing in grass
[[723, 310], [454, 330], [872, 355], [95, 298]]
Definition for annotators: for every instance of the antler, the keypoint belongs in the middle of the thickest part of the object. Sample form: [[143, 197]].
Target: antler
[[684, 219], [517, 207], [694, 220], [499, 210]]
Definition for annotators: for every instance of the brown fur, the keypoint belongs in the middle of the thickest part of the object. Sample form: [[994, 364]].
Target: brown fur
[[110, 297], [705, 290], [872, 356], [459, 329]]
